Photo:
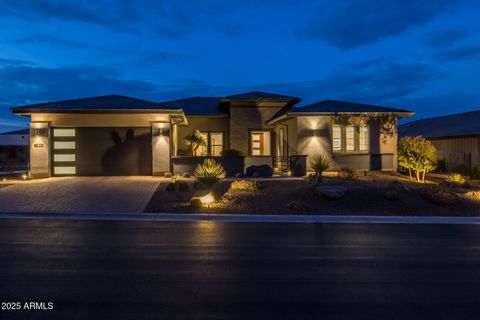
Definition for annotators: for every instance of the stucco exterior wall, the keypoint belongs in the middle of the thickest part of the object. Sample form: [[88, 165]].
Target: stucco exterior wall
[[312, 135], [99, 120], [202, 124], [39, 150], [40, 146]]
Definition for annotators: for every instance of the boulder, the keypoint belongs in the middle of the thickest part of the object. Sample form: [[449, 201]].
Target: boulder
[[260, 171], [330, 192], [440, 196]]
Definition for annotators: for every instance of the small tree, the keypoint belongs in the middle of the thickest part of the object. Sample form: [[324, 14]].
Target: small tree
[[195, 140], [417, 155], [319, 163]]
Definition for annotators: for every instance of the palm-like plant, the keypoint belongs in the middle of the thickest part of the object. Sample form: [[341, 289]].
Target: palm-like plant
[[195, 140], [319, 163], [209, 172]]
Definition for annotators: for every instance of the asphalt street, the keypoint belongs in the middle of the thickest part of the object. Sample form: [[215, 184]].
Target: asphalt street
[[218, 270]]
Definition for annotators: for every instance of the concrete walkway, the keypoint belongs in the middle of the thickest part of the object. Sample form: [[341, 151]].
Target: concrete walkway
[[240, 218], [79, 194]]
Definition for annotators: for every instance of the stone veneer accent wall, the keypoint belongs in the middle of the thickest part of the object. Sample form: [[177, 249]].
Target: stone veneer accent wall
[[245, 117]]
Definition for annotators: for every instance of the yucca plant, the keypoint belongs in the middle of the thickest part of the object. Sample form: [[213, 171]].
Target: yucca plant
[[319, 163], [209, 172]]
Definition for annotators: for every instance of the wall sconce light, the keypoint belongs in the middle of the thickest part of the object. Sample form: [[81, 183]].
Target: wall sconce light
[[161, 129]]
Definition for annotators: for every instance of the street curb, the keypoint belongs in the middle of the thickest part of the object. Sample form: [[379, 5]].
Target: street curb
[[176, 217]]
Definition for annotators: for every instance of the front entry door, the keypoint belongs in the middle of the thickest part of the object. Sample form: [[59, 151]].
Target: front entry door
[[258, 144]]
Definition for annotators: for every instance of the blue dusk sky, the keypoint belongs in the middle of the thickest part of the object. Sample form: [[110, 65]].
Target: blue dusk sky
[[418, 55]]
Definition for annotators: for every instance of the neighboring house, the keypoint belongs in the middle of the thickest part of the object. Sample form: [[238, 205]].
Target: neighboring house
[[117, 135], [456, 137], [14, 148]]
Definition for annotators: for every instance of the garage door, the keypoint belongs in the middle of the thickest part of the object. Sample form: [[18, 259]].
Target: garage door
[[102, 151]]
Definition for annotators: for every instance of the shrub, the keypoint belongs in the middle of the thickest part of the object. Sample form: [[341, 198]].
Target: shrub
[[209, 172], [248, 185], [319, 163], [418, 155], [231, 153], [167, 174], [347, 173], [195, 140], [176, 179], [455, 179]]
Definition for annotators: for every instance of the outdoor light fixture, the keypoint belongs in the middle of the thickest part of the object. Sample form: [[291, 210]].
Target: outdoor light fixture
[[161, 129], [207, 199]]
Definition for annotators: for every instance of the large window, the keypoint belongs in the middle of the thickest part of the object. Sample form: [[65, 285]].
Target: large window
[[350, 138], [363, 138], [260, 143], [337, 138], [214, 144]]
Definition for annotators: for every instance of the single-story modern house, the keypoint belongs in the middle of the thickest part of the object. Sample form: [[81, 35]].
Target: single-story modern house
[[118, 135], [456, 137], [14, 148]]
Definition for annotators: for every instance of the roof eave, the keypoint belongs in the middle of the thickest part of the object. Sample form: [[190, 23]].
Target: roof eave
[[399, 114], [28, 111]]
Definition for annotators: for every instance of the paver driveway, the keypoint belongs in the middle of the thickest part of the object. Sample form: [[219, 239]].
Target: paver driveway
[[79, 194]]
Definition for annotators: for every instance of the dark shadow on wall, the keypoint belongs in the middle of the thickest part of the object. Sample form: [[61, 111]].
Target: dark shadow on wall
[[129, 156]]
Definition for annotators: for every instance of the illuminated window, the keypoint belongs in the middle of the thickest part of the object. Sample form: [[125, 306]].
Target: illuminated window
[[337, 138], [63, 132], [350, 138], [363, 138], [63, 157], [64, 170], [260, 143], [214, 144], [64, 145]]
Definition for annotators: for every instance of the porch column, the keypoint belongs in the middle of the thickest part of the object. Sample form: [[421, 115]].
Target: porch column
[[161, 148], [39, 150]]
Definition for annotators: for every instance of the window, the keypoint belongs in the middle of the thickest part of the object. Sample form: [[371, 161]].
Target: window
[[350, 138], [260, 143], [214, 144], [63, 132], [64, 170], [64, 145], [63, 157], [337, 137], [363, 138]]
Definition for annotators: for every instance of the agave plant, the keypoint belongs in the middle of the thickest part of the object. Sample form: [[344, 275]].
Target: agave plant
[[455, 179], [209, 172]]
